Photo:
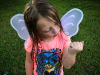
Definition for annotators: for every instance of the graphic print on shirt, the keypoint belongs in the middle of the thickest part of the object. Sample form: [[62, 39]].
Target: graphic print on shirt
[[49, 62]]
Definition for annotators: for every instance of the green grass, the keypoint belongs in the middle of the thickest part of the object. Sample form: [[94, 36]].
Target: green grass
[[12, 53]]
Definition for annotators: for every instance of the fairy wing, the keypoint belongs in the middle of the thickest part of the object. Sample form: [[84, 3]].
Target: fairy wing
[[17, 22], [71, 20]]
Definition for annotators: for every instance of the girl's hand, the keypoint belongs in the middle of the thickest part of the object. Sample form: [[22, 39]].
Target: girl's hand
[[75, 47]]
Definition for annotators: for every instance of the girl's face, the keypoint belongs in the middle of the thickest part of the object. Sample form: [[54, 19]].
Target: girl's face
[[47, 28]]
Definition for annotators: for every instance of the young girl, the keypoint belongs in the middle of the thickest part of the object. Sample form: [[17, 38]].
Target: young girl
[[48, 48]]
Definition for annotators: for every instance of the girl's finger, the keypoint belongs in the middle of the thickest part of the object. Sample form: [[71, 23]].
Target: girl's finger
[[78, 44], [71, 46], [82, 42], [81, 45], [74, 43]]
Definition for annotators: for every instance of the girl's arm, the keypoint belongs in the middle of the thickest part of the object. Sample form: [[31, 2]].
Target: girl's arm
[[28, 64], [68, 59], [69, 53]]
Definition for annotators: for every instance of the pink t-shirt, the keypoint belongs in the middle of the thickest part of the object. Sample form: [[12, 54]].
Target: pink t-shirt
[[49, 57]]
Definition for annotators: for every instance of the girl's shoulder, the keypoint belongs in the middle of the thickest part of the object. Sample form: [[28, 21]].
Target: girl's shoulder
[[64, 35], [29, 44], [66, 39]]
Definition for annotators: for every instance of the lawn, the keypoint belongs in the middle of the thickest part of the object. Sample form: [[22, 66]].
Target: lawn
[[12, 53]]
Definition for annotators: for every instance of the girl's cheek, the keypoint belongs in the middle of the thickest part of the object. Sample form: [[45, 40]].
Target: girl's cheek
[[49, 34]]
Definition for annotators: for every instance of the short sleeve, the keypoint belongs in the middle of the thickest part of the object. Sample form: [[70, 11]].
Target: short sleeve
[[66, 39], [28, 45]]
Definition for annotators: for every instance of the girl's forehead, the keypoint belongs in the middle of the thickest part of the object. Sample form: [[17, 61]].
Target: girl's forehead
[[44, 23]]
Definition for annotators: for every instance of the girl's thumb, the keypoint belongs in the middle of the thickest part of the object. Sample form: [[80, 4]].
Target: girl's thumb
[[82, 42]]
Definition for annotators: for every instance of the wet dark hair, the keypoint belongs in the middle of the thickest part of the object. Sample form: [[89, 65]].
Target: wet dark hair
[[33, 11]]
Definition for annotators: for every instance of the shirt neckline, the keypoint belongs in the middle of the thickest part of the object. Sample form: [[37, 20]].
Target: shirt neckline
[[50, 41]]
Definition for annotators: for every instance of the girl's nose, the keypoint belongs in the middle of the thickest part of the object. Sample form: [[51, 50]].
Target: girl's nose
[[55, 30]]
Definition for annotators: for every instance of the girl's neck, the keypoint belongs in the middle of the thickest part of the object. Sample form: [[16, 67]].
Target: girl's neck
[[45, 39]]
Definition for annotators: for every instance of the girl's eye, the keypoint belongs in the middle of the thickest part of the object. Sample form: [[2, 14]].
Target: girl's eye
[[47, 31]]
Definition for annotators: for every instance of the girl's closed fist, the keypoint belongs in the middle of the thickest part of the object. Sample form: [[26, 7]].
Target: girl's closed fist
[[75, 47]]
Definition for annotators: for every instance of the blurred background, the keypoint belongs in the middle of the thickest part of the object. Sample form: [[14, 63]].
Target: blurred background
[[12, 52]]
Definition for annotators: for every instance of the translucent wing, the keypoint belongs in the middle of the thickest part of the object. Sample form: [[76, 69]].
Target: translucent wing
[[71, 20], [17, 22]]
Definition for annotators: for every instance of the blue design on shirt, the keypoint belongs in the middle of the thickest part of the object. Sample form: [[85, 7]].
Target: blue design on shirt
[[49, 62]]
